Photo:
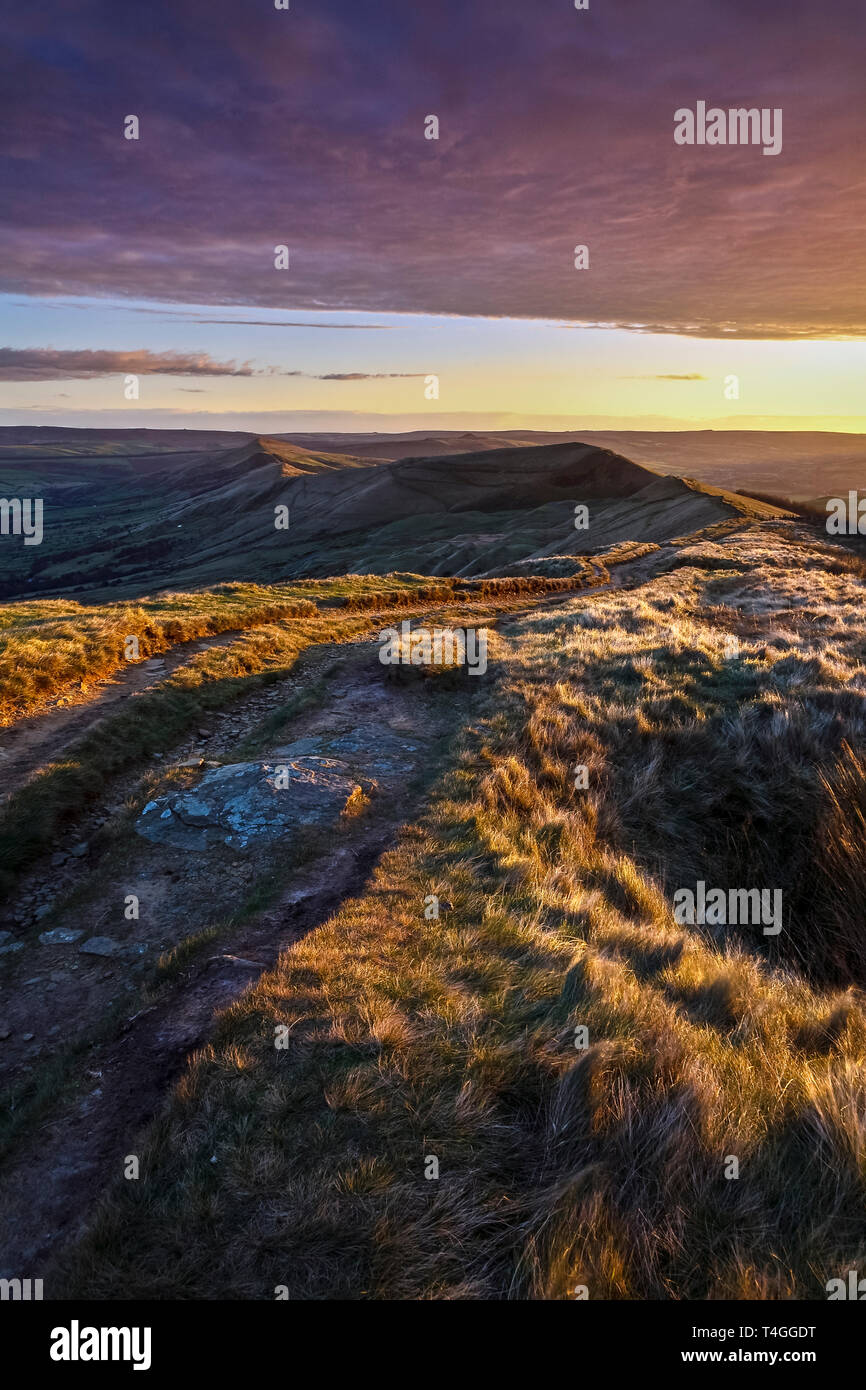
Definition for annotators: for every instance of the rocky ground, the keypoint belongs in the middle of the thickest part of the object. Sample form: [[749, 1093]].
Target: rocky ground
[[122, 993]]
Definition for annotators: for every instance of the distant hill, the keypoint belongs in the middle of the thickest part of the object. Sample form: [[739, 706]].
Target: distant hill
[[120, 523], [52, 441], [795, 464]]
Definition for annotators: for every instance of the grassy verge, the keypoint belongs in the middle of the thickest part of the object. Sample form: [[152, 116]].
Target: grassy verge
[[49, 647], [37, 813], [43, 655]]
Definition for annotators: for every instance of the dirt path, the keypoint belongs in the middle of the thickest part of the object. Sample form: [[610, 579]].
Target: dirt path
[[393, 736], [41, 738], [29, 744]]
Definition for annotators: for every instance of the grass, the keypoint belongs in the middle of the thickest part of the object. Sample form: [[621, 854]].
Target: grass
[[48, 646], [173, 963], [33, 816], [52, 647], [24, 1104], [561, 1166]]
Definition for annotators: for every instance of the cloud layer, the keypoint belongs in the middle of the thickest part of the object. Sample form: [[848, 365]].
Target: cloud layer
[[52, 364], [305, 127]]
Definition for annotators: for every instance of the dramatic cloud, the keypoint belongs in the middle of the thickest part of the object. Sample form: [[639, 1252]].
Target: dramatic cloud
[[262, 127], [49, 364], [260, 323]]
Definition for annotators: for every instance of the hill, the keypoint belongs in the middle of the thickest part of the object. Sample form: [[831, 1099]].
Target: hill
[[120, 524], [581, 1062], [785, 462]]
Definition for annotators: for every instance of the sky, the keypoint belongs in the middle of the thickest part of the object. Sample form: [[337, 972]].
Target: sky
[[431, 282]]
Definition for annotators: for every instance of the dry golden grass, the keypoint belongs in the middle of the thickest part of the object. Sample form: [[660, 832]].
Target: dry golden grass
[[561, 1166], [48, 647], [37, 812], [52, 649]]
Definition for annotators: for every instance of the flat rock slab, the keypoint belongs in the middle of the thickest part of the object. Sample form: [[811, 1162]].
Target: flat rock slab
[[378, 750], [100, 946], [245, 803]]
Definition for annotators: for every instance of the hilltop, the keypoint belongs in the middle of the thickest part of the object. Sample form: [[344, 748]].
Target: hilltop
[[119, 523]]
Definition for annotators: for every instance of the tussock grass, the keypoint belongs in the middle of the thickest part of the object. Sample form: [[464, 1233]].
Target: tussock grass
[[50, 646], [559, 1166], [587, 574]]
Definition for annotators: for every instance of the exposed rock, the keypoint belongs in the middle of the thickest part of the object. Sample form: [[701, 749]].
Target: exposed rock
[[60, 936], [378, 750], [100, 946], [247, 802]]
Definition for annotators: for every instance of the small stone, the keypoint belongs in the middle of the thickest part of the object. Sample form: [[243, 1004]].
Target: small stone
[[27, 1037], [44, 910], [13, 946], [100, 946], [60, 936], [79, 850], [57, 860], [4, 937], [5, 1032]]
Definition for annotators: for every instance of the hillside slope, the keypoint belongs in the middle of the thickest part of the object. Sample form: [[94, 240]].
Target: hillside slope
[[581, 1063], [118, 526]]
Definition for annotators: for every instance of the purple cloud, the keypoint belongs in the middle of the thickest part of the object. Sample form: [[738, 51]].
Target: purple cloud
[[261, 127], [51, 364]]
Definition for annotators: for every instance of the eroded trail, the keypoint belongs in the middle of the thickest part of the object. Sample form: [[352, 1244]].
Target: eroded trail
[[29, 744], [100, 1011]]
